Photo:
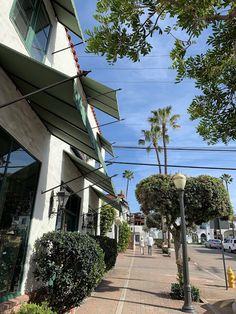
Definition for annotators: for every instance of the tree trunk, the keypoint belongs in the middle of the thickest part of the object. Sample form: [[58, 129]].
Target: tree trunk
[[127, 188], [227, 188], [164, 146], [168, 237], [178, 254], [158, 157]]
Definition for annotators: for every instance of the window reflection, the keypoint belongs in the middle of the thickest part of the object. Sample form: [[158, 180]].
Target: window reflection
[[18, 183]]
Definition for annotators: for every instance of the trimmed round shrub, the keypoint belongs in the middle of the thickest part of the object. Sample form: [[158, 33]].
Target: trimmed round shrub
[[69, 265], [109, 247], [30, 308]]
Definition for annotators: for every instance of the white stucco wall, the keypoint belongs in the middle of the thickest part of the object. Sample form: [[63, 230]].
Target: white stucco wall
[[21, 122], [62, 61]]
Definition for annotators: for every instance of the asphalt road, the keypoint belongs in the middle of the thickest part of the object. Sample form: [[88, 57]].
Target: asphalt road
[[210, 260]]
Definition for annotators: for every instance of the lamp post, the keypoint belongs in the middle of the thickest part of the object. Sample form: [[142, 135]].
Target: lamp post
[[180, 181]]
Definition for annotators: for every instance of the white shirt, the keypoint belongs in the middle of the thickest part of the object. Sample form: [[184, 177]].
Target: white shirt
[[150, 241], [142, 242]]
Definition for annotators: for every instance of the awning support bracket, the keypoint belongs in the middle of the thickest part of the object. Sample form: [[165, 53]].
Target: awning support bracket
[[71, 180], [83, 73]]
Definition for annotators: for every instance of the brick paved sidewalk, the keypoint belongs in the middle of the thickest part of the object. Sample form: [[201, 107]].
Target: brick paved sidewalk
[[138, 284], [212, 288]]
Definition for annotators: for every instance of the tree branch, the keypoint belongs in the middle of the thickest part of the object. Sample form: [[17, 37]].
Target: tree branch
[[227, 17]]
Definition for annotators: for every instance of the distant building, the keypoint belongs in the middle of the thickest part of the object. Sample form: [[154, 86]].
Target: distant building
[[211, 230]]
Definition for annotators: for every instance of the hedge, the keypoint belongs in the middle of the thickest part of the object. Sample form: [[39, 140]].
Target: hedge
[[109, 247], [69, 265]]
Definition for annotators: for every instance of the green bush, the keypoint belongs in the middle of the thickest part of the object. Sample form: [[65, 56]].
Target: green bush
[[177, 292], [159, 243], [69, 265], [107, 217], [109, 247], [124, 236], [30, 308]]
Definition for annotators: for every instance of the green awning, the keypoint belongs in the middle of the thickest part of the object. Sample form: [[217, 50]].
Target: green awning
[[59, 107], [101, 96], [96, 177], [66, 14], [113, 202], [105, 144]]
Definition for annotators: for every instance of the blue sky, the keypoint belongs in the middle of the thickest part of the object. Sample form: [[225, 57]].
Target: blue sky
[[148, 85]]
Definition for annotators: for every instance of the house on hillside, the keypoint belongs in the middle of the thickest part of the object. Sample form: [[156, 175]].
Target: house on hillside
[[52, 170]]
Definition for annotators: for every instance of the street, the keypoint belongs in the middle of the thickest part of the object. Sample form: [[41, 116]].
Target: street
[[210, 260]]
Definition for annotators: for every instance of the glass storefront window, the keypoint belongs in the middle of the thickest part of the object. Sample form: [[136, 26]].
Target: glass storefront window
[[18, 183]]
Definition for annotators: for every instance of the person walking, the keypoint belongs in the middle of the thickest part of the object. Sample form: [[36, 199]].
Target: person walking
[[142, 245], [150, 244]]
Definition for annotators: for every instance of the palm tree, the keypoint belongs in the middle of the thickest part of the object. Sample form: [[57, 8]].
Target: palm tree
[[163, 119], [227, 179], [152, 136], [129, 175]]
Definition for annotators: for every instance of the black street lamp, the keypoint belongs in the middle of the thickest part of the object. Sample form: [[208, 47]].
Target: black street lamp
[[180, 181]]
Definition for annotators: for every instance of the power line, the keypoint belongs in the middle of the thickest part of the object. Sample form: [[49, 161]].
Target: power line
[[171, 166], [179, 148], [149, 82], [149, 56], [133, 69]]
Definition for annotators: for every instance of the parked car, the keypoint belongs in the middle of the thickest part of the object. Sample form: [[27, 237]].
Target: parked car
[[230, 245], [213, 243]]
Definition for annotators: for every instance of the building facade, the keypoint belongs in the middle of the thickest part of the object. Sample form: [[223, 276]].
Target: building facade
[[52, 170]]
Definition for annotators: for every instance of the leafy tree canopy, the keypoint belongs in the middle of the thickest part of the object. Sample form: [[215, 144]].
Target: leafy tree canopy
[[125, 28], [205, 198]]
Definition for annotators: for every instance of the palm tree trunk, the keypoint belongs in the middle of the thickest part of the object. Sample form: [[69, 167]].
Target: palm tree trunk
[[164, 146], [158, 157], [127, 188], [227, 188]]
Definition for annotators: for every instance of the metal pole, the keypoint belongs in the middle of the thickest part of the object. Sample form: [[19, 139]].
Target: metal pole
[[223, 256], [74, 45], [187, 307], [83, 73], [104, 124], [78, 177]]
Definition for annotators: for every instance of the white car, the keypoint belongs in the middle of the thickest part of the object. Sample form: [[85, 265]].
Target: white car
[[229, 245], [213, 243]]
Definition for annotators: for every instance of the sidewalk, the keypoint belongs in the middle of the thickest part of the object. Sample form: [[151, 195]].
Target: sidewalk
[[212, 289], [138, 284]]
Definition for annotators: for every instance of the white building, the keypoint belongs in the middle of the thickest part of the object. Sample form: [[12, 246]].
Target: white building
[[49, 140], [210, 230]]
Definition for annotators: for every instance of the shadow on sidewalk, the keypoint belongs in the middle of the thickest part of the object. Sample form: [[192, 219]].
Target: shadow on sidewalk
[[105, 286], [141, 256], [138, 302], [217, 286]]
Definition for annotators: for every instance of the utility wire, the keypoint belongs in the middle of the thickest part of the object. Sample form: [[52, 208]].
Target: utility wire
[[202, 149], [152, 56], [132, 69], [171, 166], [148, 82]]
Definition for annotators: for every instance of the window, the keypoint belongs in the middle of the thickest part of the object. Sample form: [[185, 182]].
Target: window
[[68, 217], [18, 183], [33, 24]]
